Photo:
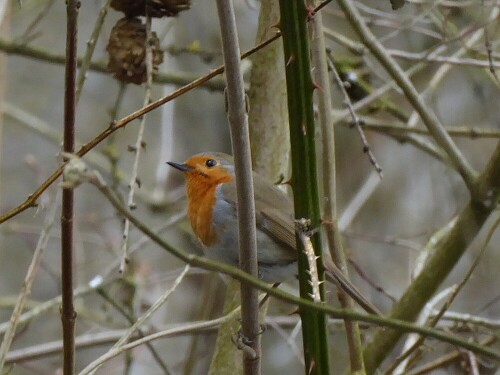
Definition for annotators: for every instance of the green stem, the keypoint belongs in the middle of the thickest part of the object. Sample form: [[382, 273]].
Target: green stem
[[329, 192], [304, 175]]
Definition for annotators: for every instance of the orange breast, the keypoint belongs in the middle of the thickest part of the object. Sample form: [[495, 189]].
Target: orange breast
[[201, 203], [201, 189]]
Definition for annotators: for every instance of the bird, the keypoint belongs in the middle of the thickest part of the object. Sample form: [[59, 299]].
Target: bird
[[211, 193]]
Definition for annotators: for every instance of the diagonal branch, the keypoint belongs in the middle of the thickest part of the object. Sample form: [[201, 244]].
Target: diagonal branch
[[28, 283]]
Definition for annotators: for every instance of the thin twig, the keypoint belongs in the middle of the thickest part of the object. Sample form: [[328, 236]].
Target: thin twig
[[414, 342], [142, 319], [444, 360], [488, 47], [109, 337], [96, 158], [411, 22], [418, 142], [381, 126], [28, 282], [91, 340], [130, 318], [469, 319], [111, 148], [35, 312], [452, 60], [139, 146], [473, 367], [39, 17], [177, 78], [87, 58], [347, 102], [363, 275], [441, 72], [194, 327]]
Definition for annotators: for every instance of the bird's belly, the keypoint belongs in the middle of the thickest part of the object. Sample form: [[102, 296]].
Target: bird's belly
[[272, 268]]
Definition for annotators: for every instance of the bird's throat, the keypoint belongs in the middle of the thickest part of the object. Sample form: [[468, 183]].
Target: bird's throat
[[201, 192], [201, 198]]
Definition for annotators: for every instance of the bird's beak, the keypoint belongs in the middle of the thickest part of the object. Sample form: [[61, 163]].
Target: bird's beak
[[179, 166]]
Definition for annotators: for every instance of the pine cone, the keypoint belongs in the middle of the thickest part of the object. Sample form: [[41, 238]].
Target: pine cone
[[127, 51], [156, 8]]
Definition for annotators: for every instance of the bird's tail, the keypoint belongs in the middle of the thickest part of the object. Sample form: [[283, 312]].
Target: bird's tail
[[337, 277]]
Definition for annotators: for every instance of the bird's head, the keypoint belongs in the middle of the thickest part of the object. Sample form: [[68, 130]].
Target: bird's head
[[204, 172], [206, 169]]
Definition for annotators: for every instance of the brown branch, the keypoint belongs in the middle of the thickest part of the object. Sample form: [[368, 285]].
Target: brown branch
[[355, 118], [68, 314]]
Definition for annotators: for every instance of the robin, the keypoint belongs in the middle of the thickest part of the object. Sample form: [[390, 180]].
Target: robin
[[211, 193]]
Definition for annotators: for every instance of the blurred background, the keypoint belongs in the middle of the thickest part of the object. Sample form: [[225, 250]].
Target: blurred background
[[386, 222]]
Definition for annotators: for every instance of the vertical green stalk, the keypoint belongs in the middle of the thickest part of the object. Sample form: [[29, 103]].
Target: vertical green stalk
[[304, 176], [328, 193]]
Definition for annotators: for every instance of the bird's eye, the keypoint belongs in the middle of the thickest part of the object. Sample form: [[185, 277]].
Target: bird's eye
[[211, 163]]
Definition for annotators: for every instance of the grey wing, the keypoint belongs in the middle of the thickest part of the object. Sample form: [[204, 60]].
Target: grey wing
[[274, 216], [280, 228]]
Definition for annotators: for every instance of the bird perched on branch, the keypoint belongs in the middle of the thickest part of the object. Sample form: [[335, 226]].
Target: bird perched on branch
[[211, 193]]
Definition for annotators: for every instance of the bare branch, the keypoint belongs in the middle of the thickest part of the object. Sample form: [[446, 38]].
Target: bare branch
[[237, 113]]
